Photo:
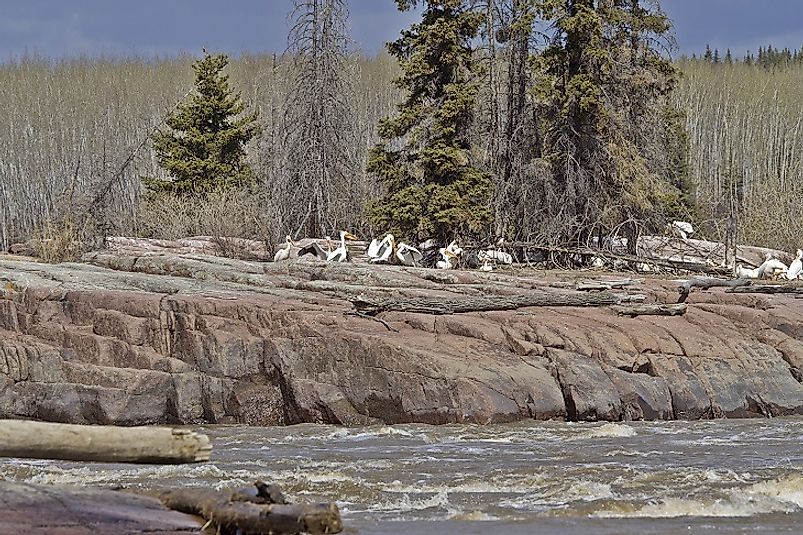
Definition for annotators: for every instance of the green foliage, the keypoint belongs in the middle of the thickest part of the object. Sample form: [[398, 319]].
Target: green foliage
[[203, 148], [423, 159], [602, 93]]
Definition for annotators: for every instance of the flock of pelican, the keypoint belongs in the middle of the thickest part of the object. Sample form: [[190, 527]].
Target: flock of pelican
[[772, 268], [388, 251]]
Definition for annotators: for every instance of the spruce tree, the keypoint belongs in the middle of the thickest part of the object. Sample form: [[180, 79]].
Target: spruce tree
[[432, 189], [602, 94], [203, 146]]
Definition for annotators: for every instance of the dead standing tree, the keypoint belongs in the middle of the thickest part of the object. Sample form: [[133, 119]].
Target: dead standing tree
[[321, 143]]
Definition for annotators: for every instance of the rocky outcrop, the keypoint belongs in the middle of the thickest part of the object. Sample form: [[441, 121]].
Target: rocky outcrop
[[48, 510], [167, 338]]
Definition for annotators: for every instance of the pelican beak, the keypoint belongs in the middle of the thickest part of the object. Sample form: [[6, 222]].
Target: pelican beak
[[350, 236]]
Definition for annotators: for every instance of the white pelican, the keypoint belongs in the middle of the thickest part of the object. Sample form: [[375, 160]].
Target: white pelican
[[796, 267], [493, 255], [454, 248], [681, 229], [447, 257], [409, 255], [341, 254], [597, 262], [745, 273], [486, 266], [771, 268], [381, 251], [284, 254]]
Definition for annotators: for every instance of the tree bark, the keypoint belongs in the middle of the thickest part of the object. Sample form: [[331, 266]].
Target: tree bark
[[151, 445]]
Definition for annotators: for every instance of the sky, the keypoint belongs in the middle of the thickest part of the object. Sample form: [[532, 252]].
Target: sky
[[69, 28]]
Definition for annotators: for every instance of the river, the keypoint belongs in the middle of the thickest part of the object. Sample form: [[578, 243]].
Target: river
[[725, 476]]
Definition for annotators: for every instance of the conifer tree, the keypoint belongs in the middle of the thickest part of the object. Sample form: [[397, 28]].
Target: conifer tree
[[602, 95], [431, 186], [203, 148]]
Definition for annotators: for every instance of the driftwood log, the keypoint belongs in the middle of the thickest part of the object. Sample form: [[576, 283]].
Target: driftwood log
[[770, 289], [706, 284], [651, 310], [432, 305], [151, 445], [250, 513], [603, 285]]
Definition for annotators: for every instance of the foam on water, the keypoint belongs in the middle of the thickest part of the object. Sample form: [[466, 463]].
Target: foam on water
[[608, 430], [787, 490], [774, 496], [507, 473]]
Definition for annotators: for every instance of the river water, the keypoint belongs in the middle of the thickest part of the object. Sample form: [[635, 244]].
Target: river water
[[725, 476]]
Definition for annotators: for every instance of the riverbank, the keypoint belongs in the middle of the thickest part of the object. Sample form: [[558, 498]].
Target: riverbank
[[181, 338]]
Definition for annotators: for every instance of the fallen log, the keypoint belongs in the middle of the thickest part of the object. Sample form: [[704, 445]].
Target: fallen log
[[231, 513], [651, 310], [147, 445], [603, 285], [706, 284], [439, 306], [769, 289]]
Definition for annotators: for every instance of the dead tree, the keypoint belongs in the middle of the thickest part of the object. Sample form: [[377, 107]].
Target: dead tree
[[320, 144]]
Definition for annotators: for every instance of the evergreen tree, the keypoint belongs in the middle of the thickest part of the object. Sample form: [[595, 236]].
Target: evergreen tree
[[728, 57], [203, 148], [602, 94], [709, 55], [716, 56], [424, 161]]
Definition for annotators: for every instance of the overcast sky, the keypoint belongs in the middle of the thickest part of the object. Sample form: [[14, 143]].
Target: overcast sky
[[59, 28]]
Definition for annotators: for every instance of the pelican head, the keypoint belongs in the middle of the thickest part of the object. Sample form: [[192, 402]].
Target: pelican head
[[346, 235], [290, 241], [799, 253]]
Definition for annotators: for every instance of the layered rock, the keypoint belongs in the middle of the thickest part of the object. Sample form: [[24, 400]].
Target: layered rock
[[166, 338]]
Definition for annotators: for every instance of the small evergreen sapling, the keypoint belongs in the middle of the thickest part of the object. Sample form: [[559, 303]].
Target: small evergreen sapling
[[203, 146]]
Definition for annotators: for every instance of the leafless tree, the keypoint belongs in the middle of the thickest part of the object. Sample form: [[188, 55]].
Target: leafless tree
[[320, 133]]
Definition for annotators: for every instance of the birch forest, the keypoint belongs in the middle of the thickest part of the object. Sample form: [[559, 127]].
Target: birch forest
[[75, 143]]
